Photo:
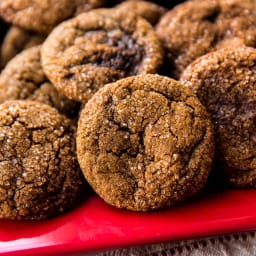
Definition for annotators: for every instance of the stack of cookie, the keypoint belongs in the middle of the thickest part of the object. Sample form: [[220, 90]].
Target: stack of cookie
[[90, 92], [210, 46]]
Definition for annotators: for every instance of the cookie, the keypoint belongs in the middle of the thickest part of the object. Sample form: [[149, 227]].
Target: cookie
[[16, 40], [225, 82], [197, 27], [23, 79], [87, 5], [149, 11], [83, 54], [166, 3], [40, 175], [43, 15], [145, 143]]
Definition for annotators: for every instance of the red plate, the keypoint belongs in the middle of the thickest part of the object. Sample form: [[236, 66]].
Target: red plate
[[95, 226]]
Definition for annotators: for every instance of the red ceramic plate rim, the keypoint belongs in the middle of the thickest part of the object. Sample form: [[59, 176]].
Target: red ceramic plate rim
[[95, 226]]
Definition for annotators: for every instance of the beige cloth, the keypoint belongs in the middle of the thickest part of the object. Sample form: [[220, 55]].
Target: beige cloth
[[230, 245]]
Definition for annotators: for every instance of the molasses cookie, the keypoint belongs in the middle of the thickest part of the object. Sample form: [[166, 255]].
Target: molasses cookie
[[40, 175], [23, 78], [225, 82], [166, 3], [149, 11], [87, 5], [43, 15], [197, 27], [145, 142], [95, 48], [16, 40]]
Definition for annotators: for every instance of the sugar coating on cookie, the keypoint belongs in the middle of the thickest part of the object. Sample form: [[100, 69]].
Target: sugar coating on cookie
[[145, 143], [83, 54], [87, 5], [40, 176], [197, 27], [43, 15], [225, 82], [24, 79], [148, 10]]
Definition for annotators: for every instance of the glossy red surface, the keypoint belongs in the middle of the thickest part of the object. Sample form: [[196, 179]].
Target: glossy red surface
[[94, 225]]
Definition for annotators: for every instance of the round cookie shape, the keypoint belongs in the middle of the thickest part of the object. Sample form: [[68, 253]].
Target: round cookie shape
[[149, 11], [40, 176], [43, 15], [145, 143], [225, 82], [16, 40], [84, 53], [197, 27], [23, 79]]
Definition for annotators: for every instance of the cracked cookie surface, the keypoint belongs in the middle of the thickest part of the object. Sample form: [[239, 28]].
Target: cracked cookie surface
[[39, 173], [197, 27], [145, 143], [83, 54], [225, 82], [43, 15], [23, 79]]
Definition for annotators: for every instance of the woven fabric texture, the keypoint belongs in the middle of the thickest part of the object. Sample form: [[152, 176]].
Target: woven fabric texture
[[243, 244]]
